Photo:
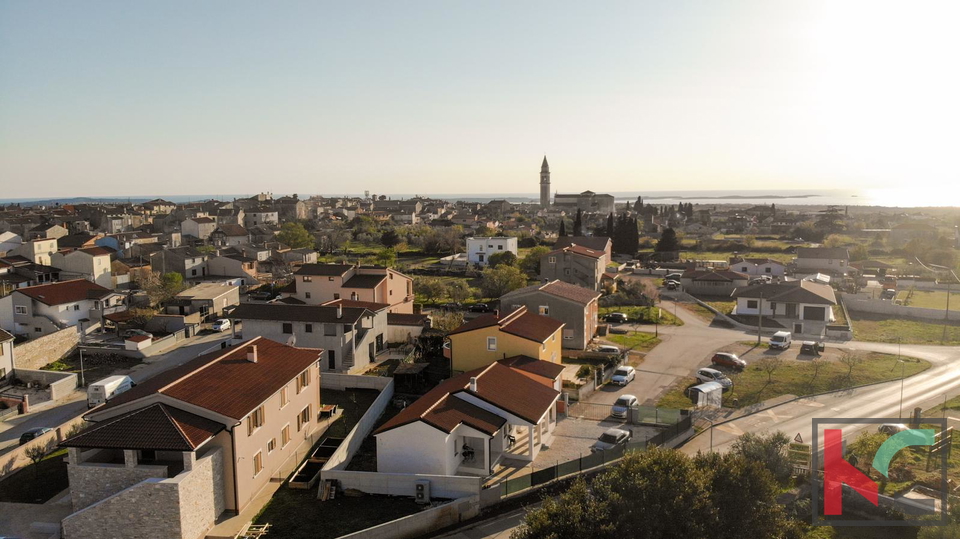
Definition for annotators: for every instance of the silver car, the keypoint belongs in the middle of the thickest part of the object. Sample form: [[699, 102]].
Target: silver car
[[623, 375], [622, 407], [610, 439]]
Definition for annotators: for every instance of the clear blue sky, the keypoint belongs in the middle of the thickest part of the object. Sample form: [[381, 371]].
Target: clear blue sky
[[129, 98]]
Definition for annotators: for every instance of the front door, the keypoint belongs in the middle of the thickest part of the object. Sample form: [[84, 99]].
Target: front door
[[791, 310], [798, 328]]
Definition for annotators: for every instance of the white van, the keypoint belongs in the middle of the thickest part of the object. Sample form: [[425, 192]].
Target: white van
[[781, 340], [106, 389]]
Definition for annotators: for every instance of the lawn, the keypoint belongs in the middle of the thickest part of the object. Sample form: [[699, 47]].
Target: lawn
[[639, 342], [298, 514], [931, 299], [725, 306], [796, 377], [26, 486], [875, 328], [838, 315], [645, 315]]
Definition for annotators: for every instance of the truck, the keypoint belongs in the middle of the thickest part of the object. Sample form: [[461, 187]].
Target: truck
[[100, 392]]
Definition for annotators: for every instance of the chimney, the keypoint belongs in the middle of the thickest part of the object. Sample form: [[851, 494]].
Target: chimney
[[252, 354], [339, 311], [473, 384]]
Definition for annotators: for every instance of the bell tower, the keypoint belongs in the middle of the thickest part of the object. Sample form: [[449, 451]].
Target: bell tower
[[544, 183]]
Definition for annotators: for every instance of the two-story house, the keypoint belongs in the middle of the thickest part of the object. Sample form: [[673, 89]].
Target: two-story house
[[37, 251], [230, 235], [574, 264], [47, 308], [596, 243], [830, 260], [575, 306], [352, 337], [758, 267], [198, 227], [319, 283], [186, 261], [168, 457], [479, 250], [490, 337], [803, 307], [7, 365], [234, 266], [92, 263]]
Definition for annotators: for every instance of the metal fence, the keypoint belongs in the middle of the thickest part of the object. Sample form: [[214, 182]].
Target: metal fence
[[593, 460], [639, 415]]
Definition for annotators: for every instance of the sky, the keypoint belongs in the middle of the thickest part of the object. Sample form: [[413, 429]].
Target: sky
[[104, 98]]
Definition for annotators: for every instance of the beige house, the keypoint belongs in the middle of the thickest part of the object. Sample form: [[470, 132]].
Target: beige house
[[575, 306], [574, 264], [91, 263], [37, 251], [314, 284], [168, 457]]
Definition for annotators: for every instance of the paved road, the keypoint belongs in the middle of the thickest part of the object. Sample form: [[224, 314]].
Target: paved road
[[76, 404]]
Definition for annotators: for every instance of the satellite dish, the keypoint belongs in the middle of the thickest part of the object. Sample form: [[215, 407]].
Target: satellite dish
[[292, 341]]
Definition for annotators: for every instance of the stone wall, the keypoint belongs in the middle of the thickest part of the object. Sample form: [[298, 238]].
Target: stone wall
[[91, 483], [60, 384], [36, 353], [185, 506]]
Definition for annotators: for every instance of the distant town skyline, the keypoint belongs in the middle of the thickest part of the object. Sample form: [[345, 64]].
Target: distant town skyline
[[107, 99]]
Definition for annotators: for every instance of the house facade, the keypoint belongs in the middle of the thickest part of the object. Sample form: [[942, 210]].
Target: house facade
[[37, 251], [491, 337], [314, 284], [575, 306], [757, 267], [198, 227], [708, 282], [208, 299], [171, 455], [92, 263], [575, 265], [802, 307], [479, 250], [7, 365], [829, 260], [44, 309], [469, 423]]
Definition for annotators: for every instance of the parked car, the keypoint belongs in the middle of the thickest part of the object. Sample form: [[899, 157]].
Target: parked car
[[452, 306], [127, 333], [892, 428], [33, 433], [622, 406], [672, 277], [707, 374], [261, 295], [222, 324], [811, 348], [888, 293], [610, 439], [672, 285], [726, 359], [102, 391], [623, 375], [781, 340], [608, 349], [616, 318], [479, 308]]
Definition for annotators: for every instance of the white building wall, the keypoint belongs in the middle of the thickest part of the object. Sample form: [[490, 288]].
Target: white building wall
[[480, 249], [415, 448]]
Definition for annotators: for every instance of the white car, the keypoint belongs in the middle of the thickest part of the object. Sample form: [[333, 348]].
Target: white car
[[707, 374], [623, 405], [608, 349], [610, 439], [221, 324], [623, 375]]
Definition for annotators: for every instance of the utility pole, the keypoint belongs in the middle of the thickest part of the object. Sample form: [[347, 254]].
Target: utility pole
[[760, 320]]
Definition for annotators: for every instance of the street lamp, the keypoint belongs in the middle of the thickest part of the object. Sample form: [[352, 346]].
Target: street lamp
[[902, 367]]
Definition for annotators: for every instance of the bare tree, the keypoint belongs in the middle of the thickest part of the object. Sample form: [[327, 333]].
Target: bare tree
[[851, 361], [769, 365]]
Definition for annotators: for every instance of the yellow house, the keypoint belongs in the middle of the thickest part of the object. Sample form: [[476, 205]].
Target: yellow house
[[492, 337]]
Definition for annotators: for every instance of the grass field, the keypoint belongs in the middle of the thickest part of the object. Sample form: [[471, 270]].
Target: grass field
[[930, 299], [640, 342], [838, 314], [30, 485], [877, 329], [795, 377], [645, 315]]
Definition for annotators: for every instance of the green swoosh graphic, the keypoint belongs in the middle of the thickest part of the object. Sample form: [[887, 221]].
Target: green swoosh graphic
[[893, 445]]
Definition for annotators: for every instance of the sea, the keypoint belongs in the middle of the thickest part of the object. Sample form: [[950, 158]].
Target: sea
[[894, 198]]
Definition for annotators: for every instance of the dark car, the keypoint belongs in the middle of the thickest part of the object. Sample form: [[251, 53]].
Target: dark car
[[452, 306], [33, 433], [726, 359], [888, 294], [616, 318], [261, 295], [480, 308]]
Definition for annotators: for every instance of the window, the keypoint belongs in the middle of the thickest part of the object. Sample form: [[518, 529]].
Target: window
[[271, 445], [331, 360], [491, 344], [336, 296], [308, 328], [568, 334], [285, 436], [76, 307], [552, 260], [751, 304], [287, 328], [330, 330], [303, 418], [37, 330], [330, 279], [20, 309], [193, 273], [744, 268], [307, 279], [499, 247], [544, 309], [303, 380], [257, 463], [283, 397], [768, 270], [307, 295], [254, 420]]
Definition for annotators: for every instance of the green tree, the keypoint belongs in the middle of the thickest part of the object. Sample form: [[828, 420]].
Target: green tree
[[563, 228], [172, 284], [504, 258], [497, 281], [859, 252], [296, 236], [459, 290], [575, 514], [668, 241], [578, 223], [390, 238], [430, 288], [530, 263], [770, 450], [386, 257]]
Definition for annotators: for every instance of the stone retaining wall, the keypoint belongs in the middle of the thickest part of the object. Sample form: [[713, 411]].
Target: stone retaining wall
[[36, 353]]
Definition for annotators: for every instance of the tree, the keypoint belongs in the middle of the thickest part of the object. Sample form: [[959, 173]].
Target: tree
[[446, 321], [430, 288], [578, 223], [668, 241], [859, 252], [504, 258], [610, 224], [458, 290], [575, 514], [833, 240], [140, 317], [296, 236], [769, 365], [172, 283], [770, 450], [386, 257], [563, 228], [530, 263], [850, 361], [496, 282], [390, 238]]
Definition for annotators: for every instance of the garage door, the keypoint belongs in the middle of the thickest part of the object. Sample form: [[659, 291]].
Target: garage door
[[814, 313]]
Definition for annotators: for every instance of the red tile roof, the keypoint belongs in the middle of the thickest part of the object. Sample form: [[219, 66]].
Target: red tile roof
[[520, 322], [157, 426], [97, 251], [65, 292], [533, 365], [224, 381]]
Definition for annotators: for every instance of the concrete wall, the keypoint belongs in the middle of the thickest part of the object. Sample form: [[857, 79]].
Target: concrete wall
[[332, 380], [171, 322], [36, 353], [348, 448], [185, 506], [61, 383], [860, 304], [423, 522], [402, 484], [17, 458]]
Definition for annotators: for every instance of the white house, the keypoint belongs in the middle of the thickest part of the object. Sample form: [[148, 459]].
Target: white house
[[829, 260], [804, 307], [47, 308], [91, 263], [480, 249], [469, 423], [709, 282], [198, 227], [756, 267]]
